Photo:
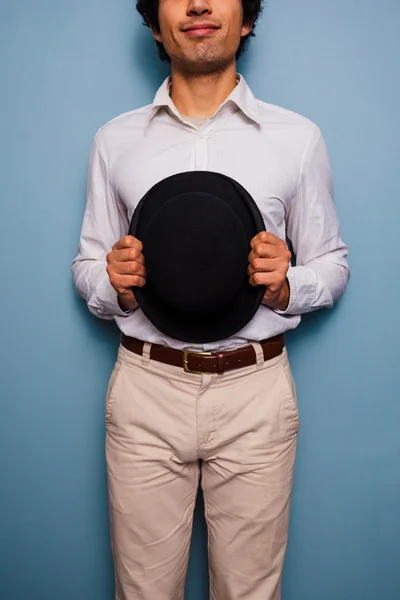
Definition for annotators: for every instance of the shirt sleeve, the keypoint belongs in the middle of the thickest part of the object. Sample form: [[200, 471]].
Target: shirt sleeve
[[104, 223], [321, 273]]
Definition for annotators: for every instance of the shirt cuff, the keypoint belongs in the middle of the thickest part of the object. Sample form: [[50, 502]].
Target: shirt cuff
[[106, 299], [302, 285]]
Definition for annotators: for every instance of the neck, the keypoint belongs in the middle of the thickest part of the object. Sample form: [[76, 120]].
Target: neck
[[200, 95]]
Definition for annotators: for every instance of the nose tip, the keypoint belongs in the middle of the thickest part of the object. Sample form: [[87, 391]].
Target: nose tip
[[198, 8], [199, 12]]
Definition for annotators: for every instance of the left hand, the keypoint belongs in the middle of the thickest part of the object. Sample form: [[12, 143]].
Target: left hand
[[269, 262]]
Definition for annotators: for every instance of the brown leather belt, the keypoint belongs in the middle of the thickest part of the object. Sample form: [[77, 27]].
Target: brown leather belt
[[207, 362]]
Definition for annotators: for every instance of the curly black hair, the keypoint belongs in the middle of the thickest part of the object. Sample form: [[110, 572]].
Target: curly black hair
[[148, 9]]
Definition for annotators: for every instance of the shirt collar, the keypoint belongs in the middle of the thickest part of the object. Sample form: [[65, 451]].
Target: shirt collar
[[241, 96]]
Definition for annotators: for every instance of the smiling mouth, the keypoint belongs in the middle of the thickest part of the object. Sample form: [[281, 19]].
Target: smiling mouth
[[200, 30]]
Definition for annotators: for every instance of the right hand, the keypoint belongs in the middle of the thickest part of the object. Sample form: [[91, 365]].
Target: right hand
[[126, 268]]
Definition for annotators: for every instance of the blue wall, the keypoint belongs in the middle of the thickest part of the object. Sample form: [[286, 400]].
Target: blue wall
[[66, 68]]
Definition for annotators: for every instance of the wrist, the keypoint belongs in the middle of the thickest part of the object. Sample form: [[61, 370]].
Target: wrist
[[281, 300]]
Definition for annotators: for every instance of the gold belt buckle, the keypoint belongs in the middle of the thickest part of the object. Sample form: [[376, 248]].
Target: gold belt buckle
[[185, 361]]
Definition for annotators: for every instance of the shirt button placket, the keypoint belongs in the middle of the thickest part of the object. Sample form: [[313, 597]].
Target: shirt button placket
[[201, 152]]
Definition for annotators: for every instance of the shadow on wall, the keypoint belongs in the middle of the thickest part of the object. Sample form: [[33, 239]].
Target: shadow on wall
[[145, 60]]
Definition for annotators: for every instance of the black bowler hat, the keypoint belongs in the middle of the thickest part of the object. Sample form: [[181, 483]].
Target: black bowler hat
[[196, 229]]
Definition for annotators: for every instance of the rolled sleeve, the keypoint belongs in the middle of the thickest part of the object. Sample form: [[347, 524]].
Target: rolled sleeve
[[321, 273], [104, 302], [104, 223]]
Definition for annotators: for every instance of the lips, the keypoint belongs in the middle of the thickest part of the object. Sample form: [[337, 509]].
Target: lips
[[200, 28]]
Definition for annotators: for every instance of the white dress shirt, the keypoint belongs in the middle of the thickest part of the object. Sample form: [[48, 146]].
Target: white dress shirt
[[279, 156]]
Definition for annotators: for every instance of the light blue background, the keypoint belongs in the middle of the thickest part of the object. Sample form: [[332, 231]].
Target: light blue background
[[66, 68]]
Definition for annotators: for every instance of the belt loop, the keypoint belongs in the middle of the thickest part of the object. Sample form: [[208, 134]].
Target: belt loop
[[259, 354], [220, 363], [146, 353]]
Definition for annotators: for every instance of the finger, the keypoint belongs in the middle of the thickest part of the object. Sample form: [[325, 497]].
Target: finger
[[270, 252], [271, 295], [130, 268], [267, 237], [126, 255], [270, 280], [128, 241], [261, 279], [264, 250], [265, 265], [138, 281], [122, 283]]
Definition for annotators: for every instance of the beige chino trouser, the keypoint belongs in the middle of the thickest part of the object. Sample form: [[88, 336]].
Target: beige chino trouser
[[165, 431]]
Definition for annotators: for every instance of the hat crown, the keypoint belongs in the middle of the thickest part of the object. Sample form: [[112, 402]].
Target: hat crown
[[204, 253]]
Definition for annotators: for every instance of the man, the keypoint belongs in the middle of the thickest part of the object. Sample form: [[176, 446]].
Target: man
[[166, 427]]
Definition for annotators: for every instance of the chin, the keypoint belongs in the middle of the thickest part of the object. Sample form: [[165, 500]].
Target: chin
[[203, 63]]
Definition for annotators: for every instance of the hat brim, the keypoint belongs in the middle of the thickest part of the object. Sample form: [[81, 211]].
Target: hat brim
[[197, 327]]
